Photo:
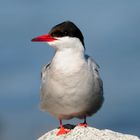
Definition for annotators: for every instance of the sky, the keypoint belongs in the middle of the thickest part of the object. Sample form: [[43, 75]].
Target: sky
[[111, 32]]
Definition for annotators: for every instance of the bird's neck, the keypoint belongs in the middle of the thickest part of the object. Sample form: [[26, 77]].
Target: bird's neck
[[69, 53], [68, 59]]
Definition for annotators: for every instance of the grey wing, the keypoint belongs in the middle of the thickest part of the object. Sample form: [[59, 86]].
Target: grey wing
[[98, 86], [43, 79], [95, 67]]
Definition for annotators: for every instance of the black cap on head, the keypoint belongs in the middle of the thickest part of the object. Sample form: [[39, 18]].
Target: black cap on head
[[67, 28]]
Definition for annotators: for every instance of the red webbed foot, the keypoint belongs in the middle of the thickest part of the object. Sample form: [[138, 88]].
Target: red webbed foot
[[84, 123], [62, 130]]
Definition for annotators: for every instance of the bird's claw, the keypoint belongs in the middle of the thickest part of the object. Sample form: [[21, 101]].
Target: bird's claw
[[62, 131], [83, 124]]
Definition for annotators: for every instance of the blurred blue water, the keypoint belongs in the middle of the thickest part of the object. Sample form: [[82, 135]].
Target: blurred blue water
[[112, 37]]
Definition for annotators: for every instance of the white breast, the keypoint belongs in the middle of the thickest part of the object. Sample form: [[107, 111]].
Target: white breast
[[70, 85]]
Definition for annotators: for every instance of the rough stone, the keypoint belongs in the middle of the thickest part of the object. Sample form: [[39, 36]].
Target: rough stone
[[88, 133]]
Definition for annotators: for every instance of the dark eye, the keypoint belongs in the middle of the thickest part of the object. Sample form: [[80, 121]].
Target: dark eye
[[65, 33], [59, 33], [53, 34]]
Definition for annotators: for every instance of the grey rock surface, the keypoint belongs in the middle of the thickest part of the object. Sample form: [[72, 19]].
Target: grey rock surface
[[88, 133]]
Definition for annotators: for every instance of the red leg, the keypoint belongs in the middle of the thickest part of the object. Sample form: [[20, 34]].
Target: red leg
[[84, 123], [62, 130]]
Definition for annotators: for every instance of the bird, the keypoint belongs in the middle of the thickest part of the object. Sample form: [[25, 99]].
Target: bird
[[71, 85]]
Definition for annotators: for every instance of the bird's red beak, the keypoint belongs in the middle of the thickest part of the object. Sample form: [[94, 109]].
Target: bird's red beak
[[44, 38]]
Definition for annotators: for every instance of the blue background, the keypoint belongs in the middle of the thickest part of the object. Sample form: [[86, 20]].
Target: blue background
[[112, 37]]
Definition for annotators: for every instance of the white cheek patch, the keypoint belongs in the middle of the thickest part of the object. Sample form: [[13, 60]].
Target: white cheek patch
[[59, 42], [65, 42]]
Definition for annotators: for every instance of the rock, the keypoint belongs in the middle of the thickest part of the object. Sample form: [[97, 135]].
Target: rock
[[88, 133]]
